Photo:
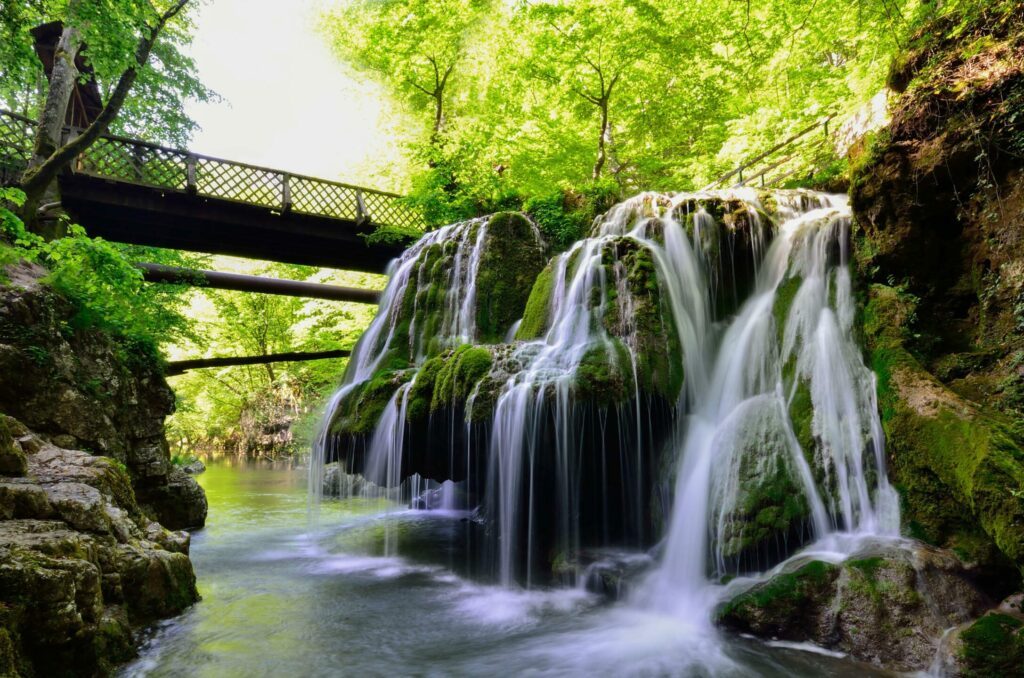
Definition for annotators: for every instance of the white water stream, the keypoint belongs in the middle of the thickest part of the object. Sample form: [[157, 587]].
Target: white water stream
[[733, 423]]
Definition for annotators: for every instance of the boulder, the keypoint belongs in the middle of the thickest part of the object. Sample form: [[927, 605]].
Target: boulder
[[888, 604], [81, 566]]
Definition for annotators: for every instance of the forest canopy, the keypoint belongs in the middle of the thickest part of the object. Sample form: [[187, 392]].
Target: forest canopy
[[518, 98]]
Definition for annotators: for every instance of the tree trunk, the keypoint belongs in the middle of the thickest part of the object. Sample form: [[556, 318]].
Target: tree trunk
[[602, 140], [51, 121], [38, 178], [55, 109]]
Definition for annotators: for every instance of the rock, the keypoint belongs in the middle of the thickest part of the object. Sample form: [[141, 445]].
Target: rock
[[608, 573], [82, 389], [194, 467], [179, 503], [12, 458], [946, 341], [81, 566], [991, 647], [887, 604]]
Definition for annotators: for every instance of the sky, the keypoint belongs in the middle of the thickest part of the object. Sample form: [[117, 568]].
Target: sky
[[288, 102]]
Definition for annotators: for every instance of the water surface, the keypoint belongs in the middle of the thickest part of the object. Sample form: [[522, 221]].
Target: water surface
[[282, 600]]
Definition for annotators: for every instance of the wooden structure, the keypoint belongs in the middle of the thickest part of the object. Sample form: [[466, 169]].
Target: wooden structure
[[132, 191], [86, 101], [771, 168]]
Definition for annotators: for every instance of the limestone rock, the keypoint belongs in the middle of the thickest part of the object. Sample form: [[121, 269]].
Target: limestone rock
[[81, 565], [888, 604], [83, 389]]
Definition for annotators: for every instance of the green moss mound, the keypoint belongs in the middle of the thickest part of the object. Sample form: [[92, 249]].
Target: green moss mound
[[509, 266], [778, 605], [993, 647], [538, 305]]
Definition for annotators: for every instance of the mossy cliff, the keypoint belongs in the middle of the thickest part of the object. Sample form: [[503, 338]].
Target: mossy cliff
[[84, 389], [86, 490], [939, 204]]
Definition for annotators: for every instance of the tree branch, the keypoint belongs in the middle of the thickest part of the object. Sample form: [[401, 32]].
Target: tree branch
[[37, 179]]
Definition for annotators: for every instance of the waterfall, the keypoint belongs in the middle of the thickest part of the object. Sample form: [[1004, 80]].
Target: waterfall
[[735, 308], [391, 332]]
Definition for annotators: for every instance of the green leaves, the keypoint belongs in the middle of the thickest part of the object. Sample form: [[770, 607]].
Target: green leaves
[[110, 30]]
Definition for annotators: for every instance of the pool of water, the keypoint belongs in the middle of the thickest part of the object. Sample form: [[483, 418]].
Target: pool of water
[[282, 599]]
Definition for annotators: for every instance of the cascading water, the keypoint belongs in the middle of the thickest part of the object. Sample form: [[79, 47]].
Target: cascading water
[[392, 329], [773, 430]]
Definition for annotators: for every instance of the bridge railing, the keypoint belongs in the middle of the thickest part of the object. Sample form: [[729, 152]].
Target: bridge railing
[[154, 166], [773, 166]]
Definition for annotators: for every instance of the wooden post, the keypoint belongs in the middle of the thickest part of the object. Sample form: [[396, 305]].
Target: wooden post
[[191, 185], [286, 194], [361, 216]]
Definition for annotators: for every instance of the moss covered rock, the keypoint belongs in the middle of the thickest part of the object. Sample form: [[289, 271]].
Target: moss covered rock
[[992, 647], [12, 458], [81, 565], [886, 605], [512, 258]]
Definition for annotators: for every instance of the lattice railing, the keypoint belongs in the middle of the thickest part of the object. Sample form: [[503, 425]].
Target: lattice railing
[[145, 164], [780, 162], [15, 143]]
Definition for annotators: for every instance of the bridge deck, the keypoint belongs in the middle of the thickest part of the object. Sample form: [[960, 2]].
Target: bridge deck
[[132, 191]]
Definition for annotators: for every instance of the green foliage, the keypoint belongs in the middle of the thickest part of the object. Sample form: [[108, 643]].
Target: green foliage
[[649, 94], [110, 31], [100, 279], [263, 409], [565, 215]]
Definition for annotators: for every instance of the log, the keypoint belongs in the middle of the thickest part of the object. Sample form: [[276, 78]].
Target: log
[[159, 273], [176, 367]]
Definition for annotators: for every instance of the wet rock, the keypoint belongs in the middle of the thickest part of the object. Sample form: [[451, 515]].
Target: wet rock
[[83, 389], [608, 573], [194, 468], [81, 566], [887, 604], [179, 503]]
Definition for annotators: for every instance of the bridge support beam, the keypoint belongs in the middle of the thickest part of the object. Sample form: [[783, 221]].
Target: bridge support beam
[[177, 367], [159, 273]]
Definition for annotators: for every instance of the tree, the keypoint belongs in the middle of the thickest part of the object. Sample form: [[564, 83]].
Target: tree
[[118, 39], [415, 47]]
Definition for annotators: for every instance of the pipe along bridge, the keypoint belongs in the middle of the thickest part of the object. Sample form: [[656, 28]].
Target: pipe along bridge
[[135, 192]]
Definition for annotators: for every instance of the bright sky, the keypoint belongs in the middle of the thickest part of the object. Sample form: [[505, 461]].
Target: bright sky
[[288, 102]]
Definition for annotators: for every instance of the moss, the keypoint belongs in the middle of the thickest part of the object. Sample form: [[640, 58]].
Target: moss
[[977, 462], [359, 412], [773, 605], [867, 566], [771, 504], [659, 366], [12, 459], [604, 375], [461, 371], [511, 261], [784, 295], [993, 647], [538, 306]]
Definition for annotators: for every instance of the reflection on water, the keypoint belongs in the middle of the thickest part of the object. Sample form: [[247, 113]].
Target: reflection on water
[[279, 600]]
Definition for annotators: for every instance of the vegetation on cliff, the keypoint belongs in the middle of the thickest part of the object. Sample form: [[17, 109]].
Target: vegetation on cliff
[[938, 200]]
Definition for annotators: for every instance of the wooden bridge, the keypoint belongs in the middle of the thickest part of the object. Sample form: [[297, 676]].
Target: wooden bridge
[[132, 191]]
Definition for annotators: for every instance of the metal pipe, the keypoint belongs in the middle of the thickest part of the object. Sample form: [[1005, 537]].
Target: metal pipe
[[158, 273]]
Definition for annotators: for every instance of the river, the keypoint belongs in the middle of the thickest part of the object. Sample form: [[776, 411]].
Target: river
[[282, 600]]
